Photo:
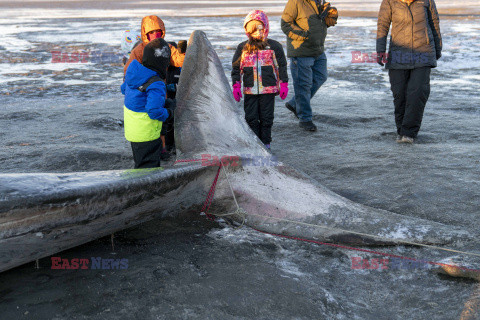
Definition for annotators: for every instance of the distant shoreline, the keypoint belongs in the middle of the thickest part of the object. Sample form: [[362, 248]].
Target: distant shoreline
[[358, 14], [345, 14], [65, 9]]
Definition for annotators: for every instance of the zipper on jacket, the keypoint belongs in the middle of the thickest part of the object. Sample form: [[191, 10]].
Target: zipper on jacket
[[413, 25], [427, 23], [258, 77]]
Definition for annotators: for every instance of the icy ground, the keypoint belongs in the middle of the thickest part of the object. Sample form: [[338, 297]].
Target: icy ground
[[60, 117]]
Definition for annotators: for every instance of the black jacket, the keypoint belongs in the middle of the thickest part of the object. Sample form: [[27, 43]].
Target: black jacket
[[415, 39]]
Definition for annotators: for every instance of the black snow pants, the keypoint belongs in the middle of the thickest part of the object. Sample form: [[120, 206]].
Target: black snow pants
[[259, 114], [411, 89], [147, 154]]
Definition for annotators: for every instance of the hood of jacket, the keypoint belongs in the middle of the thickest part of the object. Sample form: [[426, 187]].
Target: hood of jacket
[[156, 57], [258, 15], [137, 75], [150, 23]]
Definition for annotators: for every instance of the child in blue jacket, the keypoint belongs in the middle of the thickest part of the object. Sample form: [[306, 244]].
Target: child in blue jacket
[[146, 106]]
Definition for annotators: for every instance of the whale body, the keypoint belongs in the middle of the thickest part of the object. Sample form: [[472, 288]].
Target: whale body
[[44, 213]]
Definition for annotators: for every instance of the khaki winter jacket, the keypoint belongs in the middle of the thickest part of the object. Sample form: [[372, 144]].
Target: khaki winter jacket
[[305, 29], [415, 39]]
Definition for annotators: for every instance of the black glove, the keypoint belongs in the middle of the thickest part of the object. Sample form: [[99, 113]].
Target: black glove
[[170, 105], [171, 114], [380, 56], [439, 54], [182, 46]]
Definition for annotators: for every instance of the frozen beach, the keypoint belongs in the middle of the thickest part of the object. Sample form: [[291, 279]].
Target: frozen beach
[[67, 116]]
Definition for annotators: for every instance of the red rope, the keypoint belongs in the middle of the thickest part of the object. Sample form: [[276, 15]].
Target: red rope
[[186, 160], [211, 192], [209, 200], [367, 250]]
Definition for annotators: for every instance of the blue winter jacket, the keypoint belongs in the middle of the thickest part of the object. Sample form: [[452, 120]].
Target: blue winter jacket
[[153, 100], [143, 112]]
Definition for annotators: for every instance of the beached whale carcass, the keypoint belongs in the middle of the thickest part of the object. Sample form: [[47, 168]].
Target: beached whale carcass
[[42, 214]]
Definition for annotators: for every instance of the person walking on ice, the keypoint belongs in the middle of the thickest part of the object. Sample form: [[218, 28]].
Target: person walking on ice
[[415, 47], [305, 24]]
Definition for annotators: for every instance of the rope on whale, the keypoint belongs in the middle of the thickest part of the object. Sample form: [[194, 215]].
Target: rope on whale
[[243, 214]]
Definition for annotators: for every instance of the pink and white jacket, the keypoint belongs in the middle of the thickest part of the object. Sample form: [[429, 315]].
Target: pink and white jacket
[[261, 71]]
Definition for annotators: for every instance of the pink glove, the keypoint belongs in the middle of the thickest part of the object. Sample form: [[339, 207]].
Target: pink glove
[[237, 91], [283, 90]]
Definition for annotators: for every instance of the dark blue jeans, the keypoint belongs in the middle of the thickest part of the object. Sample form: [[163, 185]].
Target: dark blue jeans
[[308, 73]]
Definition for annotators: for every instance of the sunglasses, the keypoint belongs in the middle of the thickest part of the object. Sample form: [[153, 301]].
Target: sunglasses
[[155, 31]]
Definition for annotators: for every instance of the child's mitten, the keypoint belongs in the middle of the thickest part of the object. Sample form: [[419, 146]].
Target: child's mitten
[[237, 91], [283, 90]]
